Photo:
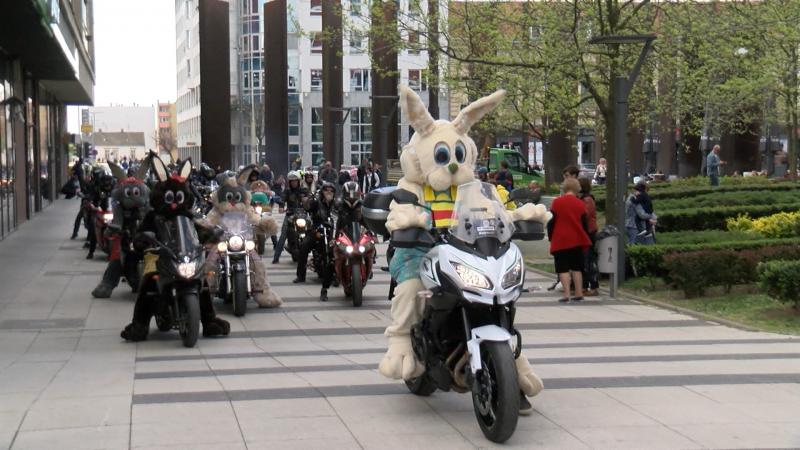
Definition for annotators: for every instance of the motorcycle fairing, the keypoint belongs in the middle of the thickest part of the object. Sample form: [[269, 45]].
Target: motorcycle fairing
[[485, 333]]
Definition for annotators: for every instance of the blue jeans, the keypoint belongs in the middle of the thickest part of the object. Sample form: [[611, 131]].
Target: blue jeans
[[714, 179]]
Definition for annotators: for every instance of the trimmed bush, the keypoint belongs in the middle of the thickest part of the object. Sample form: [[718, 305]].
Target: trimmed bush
[[715, 218], [693, 272], [686, 192], [780, 225], [781, 281], [731, 198], [705, 237], [649, 259]]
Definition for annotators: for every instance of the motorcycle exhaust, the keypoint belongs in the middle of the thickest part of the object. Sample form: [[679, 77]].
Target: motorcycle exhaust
[[458, 385], [459, 374]]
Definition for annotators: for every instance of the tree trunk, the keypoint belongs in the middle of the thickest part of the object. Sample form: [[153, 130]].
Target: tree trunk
[[690, 156], [667, 158], [558, 154], [635, 150], [792, 107]]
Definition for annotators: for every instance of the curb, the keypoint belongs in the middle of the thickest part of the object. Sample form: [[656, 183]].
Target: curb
[[663, 305]]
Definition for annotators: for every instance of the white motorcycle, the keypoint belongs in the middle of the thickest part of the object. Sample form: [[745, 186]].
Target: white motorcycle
[[474, 275]]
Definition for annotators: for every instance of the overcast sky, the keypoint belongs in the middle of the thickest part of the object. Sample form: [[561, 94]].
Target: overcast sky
[[134, 54]]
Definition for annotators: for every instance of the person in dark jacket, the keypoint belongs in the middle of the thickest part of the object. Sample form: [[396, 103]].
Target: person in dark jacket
[[590, 283], [503, 176], [569, 238]]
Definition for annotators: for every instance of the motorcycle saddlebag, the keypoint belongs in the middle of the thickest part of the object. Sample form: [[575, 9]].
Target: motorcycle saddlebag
[[528, 230], [376, 210]]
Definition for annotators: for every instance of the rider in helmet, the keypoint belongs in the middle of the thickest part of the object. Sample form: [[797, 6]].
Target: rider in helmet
[[309, 183], [294, 196], [319, 209], [348, 206], [102, 185]]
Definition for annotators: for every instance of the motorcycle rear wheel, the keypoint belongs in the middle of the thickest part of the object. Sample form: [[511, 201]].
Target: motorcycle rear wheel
[[239, 294], [497, 404], [190, 313], [422, 385], [357, 285]]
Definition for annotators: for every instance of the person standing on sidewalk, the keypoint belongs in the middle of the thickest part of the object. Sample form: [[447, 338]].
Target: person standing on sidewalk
[[569, 238], [712, 165], [601, 171], [590, 283]]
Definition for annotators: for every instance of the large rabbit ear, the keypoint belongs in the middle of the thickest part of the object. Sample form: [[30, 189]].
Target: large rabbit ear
[[119, 173], [162, 173], [141, 173], [470, 115], [244, 175], [418, 115], [185, 169]]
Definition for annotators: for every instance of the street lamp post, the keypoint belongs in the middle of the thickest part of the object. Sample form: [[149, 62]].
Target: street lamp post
[[384, 131], [622, 89]]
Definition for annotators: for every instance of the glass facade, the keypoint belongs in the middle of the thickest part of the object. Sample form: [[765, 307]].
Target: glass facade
[[360, 135], [8, 109]]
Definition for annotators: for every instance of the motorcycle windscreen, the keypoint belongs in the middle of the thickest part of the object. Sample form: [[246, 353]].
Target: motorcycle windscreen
[[236, 223], [180, 235], [478, 213]]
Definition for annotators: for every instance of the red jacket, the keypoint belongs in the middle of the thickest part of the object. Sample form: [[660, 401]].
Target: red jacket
[[591, 211], [566, 229]]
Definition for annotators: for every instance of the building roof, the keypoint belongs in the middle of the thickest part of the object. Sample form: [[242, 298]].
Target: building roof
[[119, 138]]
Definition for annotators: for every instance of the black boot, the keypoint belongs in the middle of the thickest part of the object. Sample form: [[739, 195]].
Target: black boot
[[323, 295], [212, 325], [525, 407], [110, 280], [135, 332]]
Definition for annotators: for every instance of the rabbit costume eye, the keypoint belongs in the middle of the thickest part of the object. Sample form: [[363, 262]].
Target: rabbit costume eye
[[461, 152], [169, 197], [238, 197], [442, 154], [135, 192], [229, 196], [127, 192], [179, 197]]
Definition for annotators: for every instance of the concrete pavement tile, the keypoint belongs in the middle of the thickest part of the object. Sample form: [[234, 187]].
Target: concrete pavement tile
[[359, 406], [446, 402], [241, 363], [428, 422], [78, 413], [109, 437], [96, 378], [443, 441], [534, 431], [179, 384], [160, 348], [702, 411], [597, 410], [367, 359], [306, 444], [742, 435], [183, 424], [171, 366], [318, 360], [28, 376], [261, 381], [17, 401], [748, 393], [793, 388], [9, 424], [769, 412], [649, 437], [52, 346], [280, 429], [256, 411], [199, 446], [344, 377], [635, 396]]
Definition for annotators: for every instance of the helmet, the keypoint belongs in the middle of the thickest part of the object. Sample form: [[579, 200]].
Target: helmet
[[483, 171], [207, 172], [351, 194], [293, 175], [327, 185], [106, 182]]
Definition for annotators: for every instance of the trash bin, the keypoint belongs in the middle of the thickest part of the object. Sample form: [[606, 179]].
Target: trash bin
[[607, 245]]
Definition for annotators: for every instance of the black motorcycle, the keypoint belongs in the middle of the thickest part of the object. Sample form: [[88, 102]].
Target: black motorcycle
[[297, 225], [172, 276], [322, 255]]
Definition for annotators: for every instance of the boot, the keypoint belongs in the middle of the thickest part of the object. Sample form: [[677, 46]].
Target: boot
[[135, 332], [212, 325], [110, 280], [323, 295], [399, 360], [529, 383]]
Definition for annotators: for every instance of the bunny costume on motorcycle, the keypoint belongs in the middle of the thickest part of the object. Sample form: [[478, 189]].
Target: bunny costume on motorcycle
[[233, 197], [438, 158], [130, 205]]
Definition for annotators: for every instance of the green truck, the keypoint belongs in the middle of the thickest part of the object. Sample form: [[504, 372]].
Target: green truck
[[517, 165]]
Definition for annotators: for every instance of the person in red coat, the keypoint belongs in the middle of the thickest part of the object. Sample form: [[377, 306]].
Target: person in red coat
[[569, 238]]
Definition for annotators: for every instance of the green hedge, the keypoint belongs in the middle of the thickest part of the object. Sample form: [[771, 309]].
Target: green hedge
[[713, 218], [733, 198], [687, 192], [695, 271], [649, 259], [781, 281], [706, 237]]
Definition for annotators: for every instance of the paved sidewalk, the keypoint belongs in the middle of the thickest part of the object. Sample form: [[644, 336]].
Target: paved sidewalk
[[617, 374]]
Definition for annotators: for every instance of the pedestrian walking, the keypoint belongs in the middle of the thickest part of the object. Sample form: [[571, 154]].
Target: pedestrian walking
[[712, 165], [569, 238], [639, 224], [590, 283], [601, 171]]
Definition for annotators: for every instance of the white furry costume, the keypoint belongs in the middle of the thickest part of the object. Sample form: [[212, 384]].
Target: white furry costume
[[239, 201], [420, 169]]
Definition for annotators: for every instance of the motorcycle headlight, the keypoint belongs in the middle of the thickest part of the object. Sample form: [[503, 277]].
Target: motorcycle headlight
[[301, 223], [236, 243], [258, 210], [249, 245], [108, 217], [361, 249], [349, 249], [470, 277], [513, 276], [187, 269], [222, 246]]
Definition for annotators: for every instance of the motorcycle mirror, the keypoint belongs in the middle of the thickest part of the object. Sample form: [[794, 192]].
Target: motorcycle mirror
[[403, 196]]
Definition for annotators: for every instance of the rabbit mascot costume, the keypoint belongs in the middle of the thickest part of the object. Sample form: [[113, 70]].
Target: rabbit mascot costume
[[233, 197], [438, 158]]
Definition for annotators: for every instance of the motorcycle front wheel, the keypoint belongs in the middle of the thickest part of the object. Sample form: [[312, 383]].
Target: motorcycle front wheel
[[496, 403], [190, 315], [239, 294], [357, 285]]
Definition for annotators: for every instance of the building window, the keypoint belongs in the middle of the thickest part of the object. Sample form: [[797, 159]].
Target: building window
[[256, 44], [316, 42], [188, 67], [292, 86], [316, 80], [356, 42], [316, 7], [417, 80], [294, 152], [316, 125], [359, 79], [355, 7], [414, 8], [294, 122], [256, 79], [413, 42], [246, 80], [360, 135]]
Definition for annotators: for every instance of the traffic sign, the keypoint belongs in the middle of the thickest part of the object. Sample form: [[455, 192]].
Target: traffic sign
[[86, 128]]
